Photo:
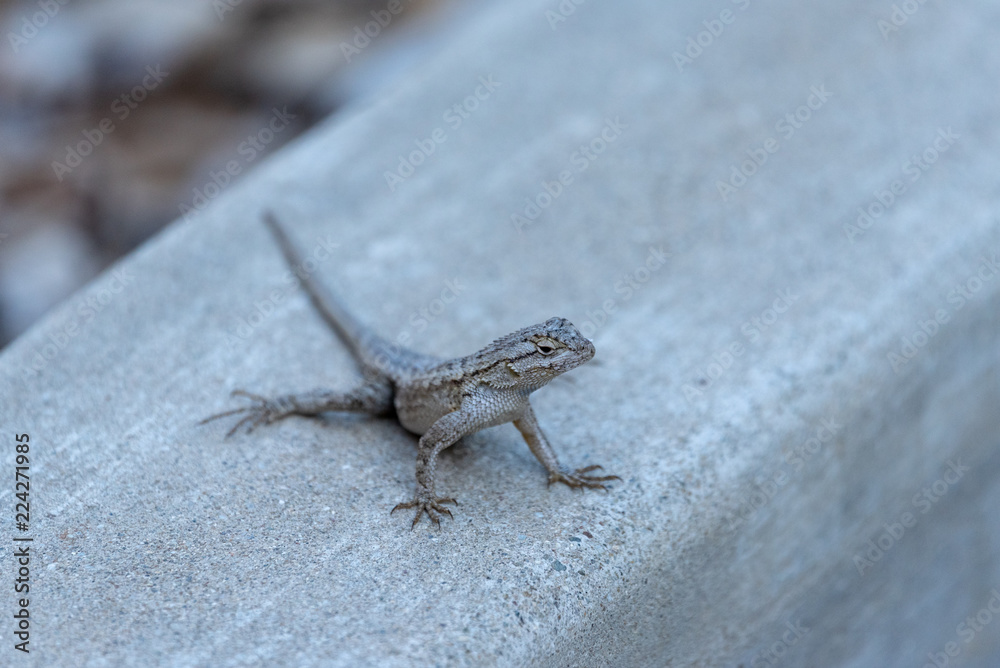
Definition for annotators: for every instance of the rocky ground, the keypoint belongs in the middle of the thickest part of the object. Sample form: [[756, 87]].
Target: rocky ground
[[117, 116]]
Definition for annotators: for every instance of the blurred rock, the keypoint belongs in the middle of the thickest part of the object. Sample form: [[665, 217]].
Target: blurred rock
[[39, 269], [114, 114]]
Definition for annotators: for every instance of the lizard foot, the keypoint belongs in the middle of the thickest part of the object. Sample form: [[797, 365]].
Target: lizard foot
[[579, 479], [427, 504], [262, 411]]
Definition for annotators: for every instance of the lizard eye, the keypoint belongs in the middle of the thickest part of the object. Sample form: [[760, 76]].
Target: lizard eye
[[545, 346]]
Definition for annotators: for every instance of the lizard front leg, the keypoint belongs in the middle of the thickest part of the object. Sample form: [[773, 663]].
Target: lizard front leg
[[374, 397], [443, 433], [527, 424]]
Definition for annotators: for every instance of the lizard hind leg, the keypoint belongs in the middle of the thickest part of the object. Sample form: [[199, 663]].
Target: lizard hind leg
[[374, 398]]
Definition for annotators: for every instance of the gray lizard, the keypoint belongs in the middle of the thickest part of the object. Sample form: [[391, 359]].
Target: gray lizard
[[441, 400]]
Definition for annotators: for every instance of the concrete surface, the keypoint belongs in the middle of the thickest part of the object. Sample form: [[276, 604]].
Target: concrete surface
[[758, 459]]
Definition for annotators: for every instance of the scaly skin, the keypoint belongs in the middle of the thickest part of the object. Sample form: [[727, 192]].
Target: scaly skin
[[442, 400]]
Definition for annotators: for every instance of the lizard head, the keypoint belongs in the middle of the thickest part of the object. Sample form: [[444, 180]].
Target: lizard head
[[541, 352]]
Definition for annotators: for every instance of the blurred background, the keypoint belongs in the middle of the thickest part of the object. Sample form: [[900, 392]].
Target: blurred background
[[118, 116]]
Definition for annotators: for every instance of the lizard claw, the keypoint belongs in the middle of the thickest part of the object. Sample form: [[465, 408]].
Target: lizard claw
[[427, 504], [579, 478], [262, 411]]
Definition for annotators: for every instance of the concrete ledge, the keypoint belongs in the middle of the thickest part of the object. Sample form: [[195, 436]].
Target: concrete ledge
[[777, 395]]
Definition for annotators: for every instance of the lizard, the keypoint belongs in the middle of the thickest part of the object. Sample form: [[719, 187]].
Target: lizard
[[440, 400]]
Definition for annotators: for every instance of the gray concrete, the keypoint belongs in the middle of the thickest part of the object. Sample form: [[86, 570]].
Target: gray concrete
[[157, 542]]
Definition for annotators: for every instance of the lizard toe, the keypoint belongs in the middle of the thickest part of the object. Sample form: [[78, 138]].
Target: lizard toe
[[430, 506], [581, 478]]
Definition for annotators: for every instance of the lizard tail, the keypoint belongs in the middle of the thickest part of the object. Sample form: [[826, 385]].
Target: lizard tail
[[365, 346]]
